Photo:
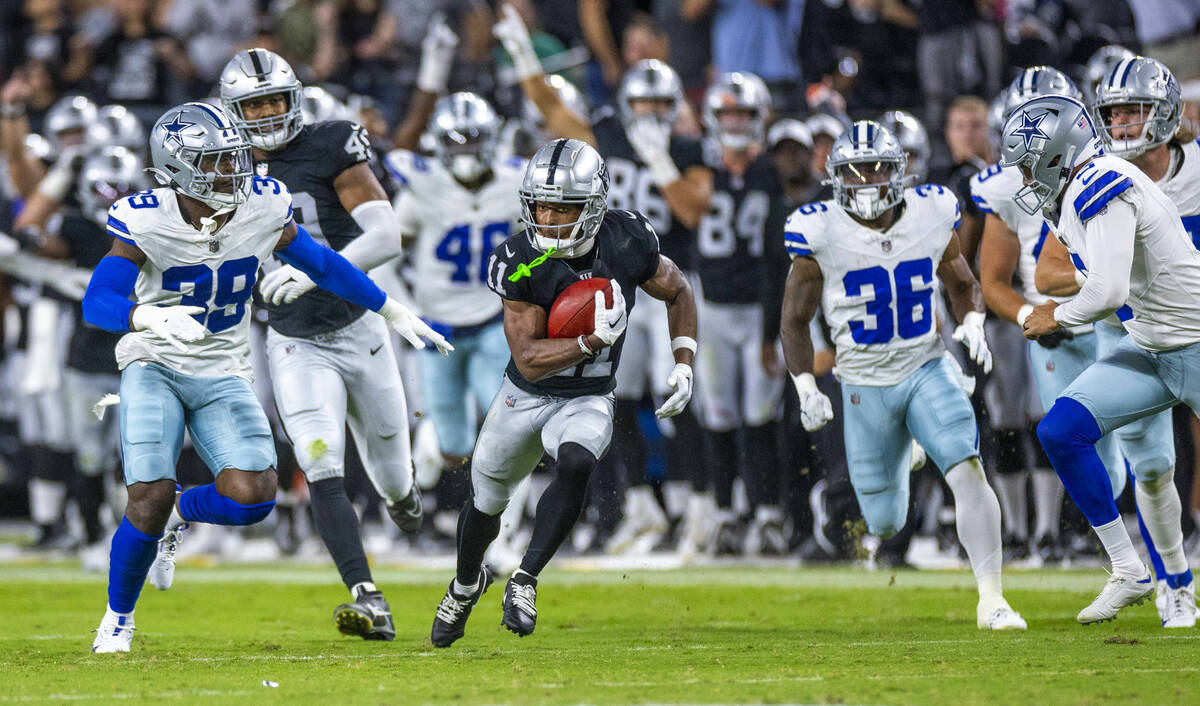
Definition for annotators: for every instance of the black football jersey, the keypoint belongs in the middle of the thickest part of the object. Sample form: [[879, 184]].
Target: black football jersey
[[631, 188], [308, 166], [626, 250], [745, 213], [91, 349]]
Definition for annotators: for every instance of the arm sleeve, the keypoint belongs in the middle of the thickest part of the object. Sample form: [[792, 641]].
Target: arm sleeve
[[380, 238], [332, 272], [1110, 236], [106, 303]]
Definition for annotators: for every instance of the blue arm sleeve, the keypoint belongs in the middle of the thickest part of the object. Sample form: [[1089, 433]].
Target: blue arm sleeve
[[106, 303], [331, 271]]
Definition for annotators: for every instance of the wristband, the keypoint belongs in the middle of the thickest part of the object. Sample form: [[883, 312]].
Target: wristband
[[583, 346], [1023, 313], [805, 384], [683, 342]]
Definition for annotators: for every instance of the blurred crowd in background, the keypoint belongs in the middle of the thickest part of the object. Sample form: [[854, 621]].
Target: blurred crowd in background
[[88, 74]]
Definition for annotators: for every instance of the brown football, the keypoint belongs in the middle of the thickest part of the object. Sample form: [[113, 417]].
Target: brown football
[[574, 312]]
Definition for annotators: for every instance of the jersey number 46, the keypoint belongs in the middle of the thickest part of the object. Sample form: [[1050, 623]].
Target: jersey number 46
[[912, 315]]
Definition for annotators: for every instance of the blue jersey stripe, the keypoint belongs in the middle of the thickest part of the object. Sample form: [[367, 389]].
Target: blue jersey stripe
[[395, 172], [982, 204], [1192, 225], [957, 215], [1037, 248], [1078, 263], [1125, 313], [1094, 188], [118, 225], [796, 251], [1100, 202], [792, 237], [120, 237]]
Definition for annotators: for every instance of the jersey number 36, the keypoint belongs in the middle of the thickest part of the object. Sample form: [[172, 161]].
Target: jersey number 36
[[913, 313]]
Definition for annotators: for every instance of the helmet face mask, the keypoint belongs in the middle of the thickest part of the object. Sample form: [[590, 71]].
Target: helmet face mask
[[866, 167], [465, 131], [1139, 92], [650, 89], [1045, 139], [736, 109], [197, 150], [569, 174], [107, 176], [251, 76]]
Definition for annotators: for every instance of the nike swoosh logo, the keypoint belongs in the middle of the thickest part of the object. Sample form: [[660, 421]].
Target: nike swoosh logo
[[507, 251], [1145, 580], [377, 349]]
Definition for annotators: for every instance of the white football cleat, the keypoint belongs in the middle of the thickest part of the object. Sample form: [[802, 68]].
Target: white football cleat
[[115, 633], [998, 617], [1118, 592], [642, 516], [1178, 607], [162, 571]]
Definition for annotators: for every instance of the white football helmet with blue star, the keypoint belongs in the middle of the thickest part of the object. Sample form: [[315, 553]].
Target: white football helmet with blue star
[[197, 150], [1045, 138]]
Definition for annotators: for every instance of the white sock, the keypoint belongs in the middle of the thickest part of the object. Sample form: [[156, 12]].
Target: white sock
[[108, 609], [46, 499], [360, 588], [1124, 557], [1010, 487], [977, 517], [1161, 512], [465, 590], [1047, 502]]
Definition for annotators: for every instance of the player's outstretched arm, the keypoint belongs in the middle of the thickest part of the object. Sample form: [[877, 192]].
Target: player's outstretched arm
[[1056, 275], [332, 272], [966, 296], [688, 195], [801, 296], [437, 57], [999, 254], [535, 355], [560, 120], [669, 285]]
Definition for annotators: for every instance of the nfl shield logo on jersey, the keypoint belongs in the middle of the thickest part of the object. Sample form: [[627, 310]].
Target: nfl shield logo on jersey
[[510, 400], [854, 398], [886, 245]]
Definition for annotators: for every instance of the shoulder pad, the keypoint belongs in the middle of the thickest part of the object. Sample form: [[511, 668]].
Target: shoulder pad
[[1099, 188], [803, 226]]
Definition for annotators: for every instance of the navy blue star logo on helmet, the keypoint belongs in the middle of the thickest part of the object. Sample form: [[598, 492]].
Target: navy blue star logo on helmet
[[176, 125], [1030, 129]]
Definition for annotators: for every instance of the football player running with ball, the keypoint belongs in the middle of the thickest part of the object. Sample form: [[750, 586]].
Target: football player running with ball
[[557, 395], [189, 252], [872, 258]]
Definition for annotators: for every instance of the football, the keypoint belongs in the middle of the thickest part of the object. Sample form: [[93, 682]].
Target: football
[[574, 311]]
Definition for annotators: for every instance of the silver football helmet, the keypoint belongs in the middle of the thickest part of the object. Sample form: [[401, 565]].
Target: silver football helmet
[[197, 150], [741, 91], [1038, 81], [253, 73], [465, 132], [318, 105], [1045, 138], [535, 123], [69, 114], [913, 139], [1149, 85], [108, 174], [650, 79], [864, 154], [123, 128], [1100, 64], [569, 172]]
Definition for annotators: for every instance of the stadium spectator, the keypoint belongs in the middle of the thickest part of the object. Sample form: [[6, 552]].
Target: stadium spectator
[[966, 135], [211, 31], [877, 40]]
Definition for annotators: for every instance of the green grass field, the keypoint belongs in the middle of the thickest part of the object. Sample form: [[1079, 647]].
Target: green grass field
[[691, 636]]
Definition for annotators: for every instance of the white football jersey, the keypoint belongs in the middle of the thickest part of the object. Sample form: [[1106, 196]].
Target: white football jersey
[[993, 190], [186, 268], [454, 230], [1163, 308], [1182, 186], [880, 287]]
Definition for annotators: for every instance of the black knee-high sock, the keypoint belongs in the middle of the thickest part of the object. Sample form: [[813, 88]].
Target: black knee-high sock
[[686, 457], [629, 443], [724, 466], [760, 464], [89, 493], [559, 506], [334, 518], [605, 494], [476, 532]]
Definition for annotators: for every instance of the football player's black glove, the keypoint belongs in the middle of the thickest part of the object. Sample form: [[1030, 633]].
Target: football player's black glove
[[1052, 340]]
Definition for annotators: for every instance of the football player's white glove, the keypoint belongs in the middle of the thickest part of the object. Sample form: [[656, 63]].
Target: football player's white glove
[[651, 139], [815, 408], [967, 381], [610, 322], [680, 380], [411, 328], [970, 334], [918, 458], [173, 323], [284, 285], [437, 55], [511, 32]]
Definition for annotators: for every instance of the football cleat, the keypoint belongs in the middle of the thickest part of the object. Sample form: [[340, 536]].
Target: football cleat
[[408, 512], [642, 516], [1118, 592], [450, 622], [162, 571], [368, 617], [520, 605], [115, 633], [1178, 607], [1000, 617]]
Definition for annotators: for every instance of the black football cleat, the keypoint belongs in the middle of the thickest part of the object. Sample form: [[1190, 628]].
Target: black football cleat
[[369, 617], [407, 512], [450, 621], [520, 605]]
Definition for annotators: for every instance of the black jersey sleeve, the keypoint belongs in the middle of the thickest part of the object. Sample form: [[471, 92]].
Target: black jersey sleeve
[[643, 251], [508, 273], [346, 143], [686, 152]]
